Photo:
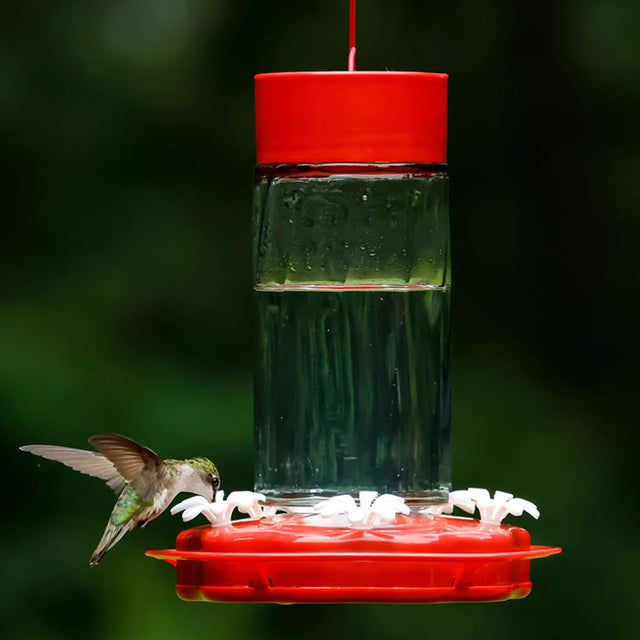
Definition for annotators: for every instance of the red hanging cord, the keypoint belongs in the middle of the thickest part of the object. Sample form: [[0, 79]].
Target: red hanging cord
[[351, 64]]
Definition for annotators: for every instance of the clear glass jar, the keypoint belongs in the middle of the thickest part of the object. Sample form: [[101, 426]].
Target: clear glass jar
[[352, 380]]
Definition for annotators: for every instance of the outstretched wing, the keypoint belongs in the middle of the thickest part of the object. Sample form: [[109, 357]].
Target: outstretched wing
[[90, 463], [128, 457]]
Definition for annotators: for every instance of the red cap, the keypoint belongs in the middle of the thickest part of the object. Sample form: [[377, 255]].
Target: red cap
[[351, 116]]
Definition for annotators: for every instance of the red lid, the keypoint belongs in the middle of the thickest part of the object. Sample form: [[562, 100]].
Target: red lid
[[351, 116]]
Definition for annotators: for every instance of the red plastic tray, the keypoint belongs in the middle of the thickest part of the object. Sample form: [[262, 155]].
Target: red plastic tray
[[417, 559]]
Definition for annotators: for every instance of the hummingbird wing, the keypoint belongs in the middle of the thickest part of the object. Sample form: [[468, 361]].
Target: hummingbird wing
[[132, 460], [90, 463]]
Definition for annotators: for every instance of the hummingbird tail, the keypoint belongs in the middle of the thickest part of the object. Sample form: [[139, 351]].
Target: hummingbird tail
[[96, 556], [111, 536]]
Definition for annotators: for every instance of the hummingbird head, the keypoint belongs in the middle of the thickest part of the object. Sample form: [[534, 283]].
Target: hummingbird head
[[206, 479]]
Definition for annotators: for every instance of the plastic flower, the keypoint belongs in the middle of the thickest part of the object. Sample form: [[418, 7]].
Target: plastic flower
[[458, 499], [220, 511], [372, 511], [492, 510]]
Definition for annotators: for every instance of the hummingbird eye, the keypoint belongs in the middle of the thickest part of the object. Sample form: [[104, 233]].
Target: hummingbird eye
[[215, 481]]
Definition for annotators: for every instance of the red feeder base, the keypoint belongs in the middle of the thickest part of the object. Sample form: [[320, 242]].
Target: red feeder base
[[418, 559]]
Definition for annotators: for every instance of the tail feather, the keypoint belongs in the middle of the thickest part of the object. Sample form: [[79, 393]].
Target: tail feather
[[111, 536]]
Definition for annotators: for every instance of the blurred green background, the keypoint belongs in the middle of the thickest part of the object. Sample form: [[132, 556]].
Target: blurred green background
[[125, 289]]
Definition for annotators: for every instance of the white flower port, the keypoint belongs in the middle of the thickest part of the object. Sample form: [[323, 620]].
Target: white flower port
[[220, 511], [492, 510], [370, 511], [373, 510]]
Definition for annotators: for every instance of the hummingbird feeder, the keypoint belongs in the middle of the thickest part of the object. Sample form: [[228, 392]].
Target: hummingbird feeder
[[352, 379]]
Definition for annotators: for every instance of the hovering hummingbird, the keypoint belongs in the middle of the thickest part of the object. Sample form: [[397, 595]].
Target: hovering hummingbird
[[145, 483]]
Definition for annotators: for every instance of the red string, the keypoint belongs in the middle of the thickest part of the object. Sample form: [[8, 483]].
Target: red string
[[351, 64]]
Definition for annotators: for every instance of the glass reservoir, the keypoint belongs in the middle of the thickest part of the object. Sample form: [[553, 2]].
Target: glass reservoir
[[352, 380]]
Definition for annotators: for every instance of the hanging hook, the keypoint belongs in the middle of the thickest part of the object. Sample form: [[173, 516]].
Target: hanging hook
[[351, 62]]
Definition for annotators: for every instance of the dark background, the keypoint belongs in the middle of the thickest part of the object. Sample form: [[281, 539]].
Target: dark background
[[126, 131]]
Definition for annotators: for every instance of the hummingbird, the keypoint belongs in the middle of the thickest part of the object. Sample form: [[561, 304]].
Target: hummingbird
[[145, 483]]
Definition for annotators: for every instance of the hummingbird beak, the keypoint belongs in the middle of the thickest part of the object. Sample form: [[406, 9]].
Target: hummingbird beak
[[215, 492]]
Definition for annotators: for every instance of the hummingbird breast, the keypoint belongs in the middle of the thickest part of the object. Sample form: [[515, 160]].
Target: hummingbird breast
[[160, 502]]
